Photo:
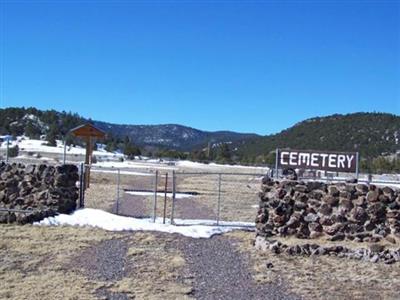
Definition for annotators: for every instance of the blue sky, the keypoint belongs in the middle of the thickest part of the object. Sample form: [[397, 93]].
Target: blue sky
[[254, 66]]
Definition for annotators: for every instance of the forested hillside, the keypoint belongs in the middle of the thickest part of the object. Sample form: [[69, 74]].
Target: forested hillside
[[372, 134]]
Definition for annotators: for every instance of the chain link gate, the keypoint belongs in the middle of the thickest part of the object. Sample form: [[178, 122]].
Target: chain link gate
[[180, 198], [215, 198]]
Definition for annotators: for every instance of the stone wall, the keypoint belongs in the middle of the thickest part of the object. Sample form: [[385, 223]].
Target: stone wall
[[46, 190], [341, 211]]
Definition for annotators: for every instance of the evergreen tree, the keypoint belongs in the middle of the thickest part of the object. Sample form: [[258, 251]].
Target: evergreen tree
[[32, 131], [224, 154], [52, 135]]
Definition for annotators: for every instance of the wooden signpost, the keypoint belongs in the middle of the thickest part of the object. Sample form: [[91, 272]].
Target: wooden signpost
[[89, 133]]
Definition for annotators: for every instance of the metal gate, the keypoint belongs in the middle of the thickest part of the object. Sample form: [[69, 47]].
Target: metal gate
[[180, 198]]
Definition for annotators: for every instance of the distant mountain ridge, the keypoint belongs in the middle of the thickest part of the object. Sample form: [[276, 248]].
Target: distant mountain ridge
[[172, 136], [372, 134], [18, 121]]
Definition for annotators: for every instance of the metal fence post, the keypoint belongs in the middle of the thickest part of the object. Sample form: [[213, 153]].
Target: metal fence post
[[357, 166], [165, 197], [173, 196], [219, 198], [118, 183], [65, 150], [8, 148], [81, 186], [276, 162], [155, 197]]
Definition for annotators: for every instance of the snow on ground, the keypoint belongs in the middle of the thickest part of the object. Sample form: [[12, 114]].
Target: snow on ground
[[99, 218], [122, 172], [32, 145], [169, 195], [133, 164], [191, 164], [167, 165]]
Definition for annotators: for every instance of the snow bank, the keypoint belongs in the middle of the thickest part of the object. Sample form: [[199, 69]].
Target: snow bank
[[99, 218], [169, 195], [191, 164], [133, 165], [32, 145], [122, 172]]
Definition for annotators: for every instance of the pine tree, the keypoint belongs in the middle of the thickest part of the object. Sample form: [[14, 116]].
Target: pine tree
[[52, 135]]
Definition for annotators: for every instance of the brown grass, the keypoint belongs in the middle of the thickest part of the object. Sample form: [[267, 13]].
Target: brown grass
[[34, 259], [322, 277]]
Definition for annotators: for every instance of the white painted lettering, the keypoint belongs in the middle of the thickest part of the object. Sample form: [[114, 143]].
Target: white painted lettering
[[341, 159], [314, 159], [332, 161], [283, 162], [292, 158], [349, 160], [324, 156], [304, 159]]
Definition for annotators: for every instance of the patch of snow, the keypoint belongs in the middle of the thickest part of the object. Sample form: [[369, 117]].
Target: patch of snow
[[32, 145], [122, 172], [133, 164], [169, 195], [99, 218], [191, 164]]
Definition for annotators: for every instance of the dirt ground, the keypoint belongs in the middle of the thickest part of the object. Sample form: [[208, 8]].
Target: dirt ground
[[63, 262], [82, 263], [38, 263], [322, 277]]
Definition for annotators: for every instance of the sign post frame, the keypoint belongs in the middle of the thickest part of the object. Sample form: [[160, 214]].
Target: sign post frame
[[276, 162], [332, 161]]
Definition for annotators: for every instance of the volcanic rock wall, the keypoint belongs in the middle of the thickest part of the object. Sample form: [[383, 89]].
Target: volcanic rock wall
[[46, 190], [341, 211]]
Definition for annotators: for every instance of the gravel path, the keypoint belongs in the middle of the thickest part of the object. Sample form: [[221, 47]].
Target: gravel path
[[139, 207], [133, 206], [190, 208], [216, 268], [105, 261], [221, 272]]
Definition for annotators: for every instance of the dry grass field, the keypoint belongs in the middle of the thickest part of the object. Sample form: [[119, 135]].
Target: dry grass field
[[36, 264], [321, 277]]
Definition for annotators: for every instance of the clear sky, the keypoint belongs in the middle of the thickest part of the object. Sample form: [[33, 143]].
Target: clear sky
[[248, 66]]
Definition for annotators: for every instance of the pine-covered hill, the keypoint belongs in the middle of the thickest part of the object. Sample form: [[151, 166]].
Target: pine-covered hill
[[33, 123], [172, 136], [372, 134]]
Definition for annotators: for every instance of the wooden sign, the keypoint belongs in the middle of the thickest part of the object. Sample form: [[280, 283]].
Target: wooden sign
[[318, 160], [89, 133], [88, 130]]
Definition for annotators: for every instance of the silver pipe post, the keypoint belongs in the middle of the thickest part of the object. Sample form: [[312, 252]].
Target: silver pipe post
[[219, 198], [118, 184], [357, 165], [155, 197], [165, 197], [173, 196], [65, 150], [276, 162], [8, 148]]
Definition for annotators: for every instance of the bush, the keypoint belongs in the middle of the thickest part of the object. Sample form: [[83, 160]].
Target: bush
[[13, 151]]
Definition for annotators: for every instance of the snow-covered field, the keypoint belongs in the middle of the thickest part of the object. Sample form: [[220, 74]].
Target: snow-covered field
[[31, 145]]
